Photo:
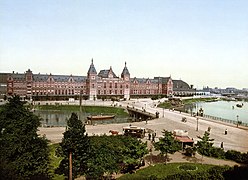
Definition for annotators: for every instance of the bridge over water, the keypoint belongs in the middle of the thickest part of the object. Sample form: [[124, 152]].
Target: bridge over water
[[141, 114]]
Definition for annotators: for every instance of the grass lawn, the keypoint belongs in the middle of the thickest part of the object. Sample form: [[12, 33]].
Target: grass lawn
[[166, 105], [162, 171], [190, 101], [94, 110]]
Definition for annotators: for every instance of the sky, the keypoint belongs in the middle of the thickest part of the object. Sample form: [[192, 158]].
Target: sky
[[202, 42]]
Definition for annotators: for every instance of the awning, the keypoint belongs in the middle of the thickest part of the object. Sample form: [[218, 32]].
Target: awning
[[184, 139]]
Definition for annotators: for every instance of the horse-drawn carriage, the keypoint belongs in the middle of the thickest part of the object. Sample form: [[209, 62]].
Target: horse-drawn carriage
[[184, 119], [134, 131]]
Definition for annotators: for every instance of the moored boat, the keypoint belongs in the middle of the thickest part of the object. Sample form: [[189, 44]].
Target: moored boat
[[100, 117], [239, 105]]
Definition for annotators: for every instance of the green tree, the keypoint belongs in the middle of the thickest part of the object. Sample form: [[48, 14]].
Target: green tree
[[205, 145], [23, 154], [76, 140], [167, 144], [133, 152], [112, 154]]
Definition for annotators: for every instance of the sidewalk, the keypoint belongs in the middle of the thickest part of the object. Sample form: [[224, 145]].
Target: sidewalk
[[236, 138]]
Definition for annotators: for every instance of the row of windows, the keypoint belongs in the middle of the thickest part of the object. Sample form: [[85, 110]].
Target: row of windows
[[56, 86], [144, 86], [110, 86], [145, 92], [105, 92], [57, 92]]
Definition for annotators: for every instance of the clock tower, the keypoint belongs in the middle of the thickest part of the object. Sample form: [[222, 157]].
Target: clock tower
[[92, 82], [125, 75]]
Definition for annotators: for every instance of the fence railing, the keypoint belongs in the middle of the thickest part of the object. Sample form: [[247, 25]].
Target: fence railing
[[226, 120]]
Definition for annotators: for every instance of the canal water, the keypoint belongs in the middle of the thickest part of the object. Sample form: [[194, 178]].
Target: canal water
[[53, 118], [222, 109]]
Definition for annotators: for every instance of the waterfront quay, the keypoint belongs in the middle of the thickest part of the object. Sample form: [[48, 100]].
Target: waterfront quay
[[235, 139]]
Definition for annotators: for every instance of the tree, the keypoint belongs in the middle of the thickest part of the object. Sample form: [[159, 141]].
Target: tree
[[205, 145], [133, 153], [76, 140], [112, 154], [167, 144], [23, 154]]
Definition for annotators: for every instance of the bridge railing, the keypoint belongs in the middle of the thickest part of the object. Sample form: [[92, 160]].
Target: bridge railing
[[225, 120]]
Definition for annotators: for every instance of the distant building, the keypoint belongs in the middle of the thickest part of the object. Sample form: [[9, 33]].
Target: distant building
[[102, 85], [3, 84], [181, 88]]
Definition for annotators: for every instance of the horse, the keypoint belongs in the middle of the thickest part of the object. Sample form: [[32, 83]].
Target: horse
[[114, 132]]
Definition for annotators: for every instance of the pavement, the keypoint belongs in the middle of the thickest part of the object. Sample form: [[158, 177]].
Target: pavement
[[235, 139]]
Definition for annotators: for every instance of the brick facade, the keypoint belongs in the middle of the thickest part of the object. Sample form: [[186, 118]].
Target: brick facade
[[104, 84]]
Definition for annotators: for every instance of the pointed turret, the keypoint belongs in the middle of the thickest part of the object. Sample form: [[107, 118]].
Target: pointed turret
[[92, 69], [125, 71], [126, 77], [92, 81]]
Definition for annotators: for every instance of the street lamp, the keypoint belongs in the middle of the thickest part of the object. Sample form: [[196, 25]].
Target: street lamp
[[237, 120], [197, 123]]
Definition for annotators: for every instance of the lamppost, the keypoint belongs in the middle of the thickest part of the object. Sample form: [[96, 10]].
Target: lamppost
[[237, 120], [197, 123]]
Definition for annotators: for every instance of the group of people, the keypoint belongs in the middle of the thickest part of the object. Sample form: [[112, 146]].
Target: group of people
[[151, 136]]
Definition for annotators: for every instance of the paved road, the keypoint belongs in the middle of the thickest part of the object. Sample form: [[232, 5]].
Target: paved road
[[235, 139]]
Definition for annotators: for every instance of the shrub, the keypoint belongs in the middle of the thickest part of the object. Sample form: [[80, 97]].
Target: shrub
[[217, 172], [237, 156], [217, 152], [237, 172], [190, 151]]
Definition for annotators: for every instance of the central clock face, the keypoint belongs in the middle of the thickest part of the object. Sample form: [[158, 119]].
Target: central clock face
[[126, 78]]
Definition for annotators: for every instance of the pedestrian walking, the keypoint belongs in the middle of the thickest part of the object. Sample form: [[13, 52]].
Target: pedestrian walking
[[153, 137], [226, 132], [149, 136], [221, 145]]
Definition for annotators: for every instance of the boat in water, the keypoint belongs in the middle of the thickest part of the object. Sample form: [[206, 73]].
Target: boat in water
[[240, 105], [100, 117]]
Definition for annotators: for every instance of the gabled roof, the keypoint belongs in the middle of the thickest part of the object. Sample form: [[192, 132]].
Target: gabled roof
[[92, 69], [40, 77], [79, 78], [105, 74], [18, 77], [142, 80], [163, 80], [58, 78]]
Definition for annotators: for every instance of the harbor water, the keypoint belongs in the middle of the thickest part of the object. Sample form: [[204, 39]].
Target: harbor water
[[53, 118], [222, 109]]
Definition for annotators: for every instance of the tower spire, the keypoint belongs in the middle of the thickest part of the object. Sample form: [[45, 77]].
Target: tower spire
[[92, 69]]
